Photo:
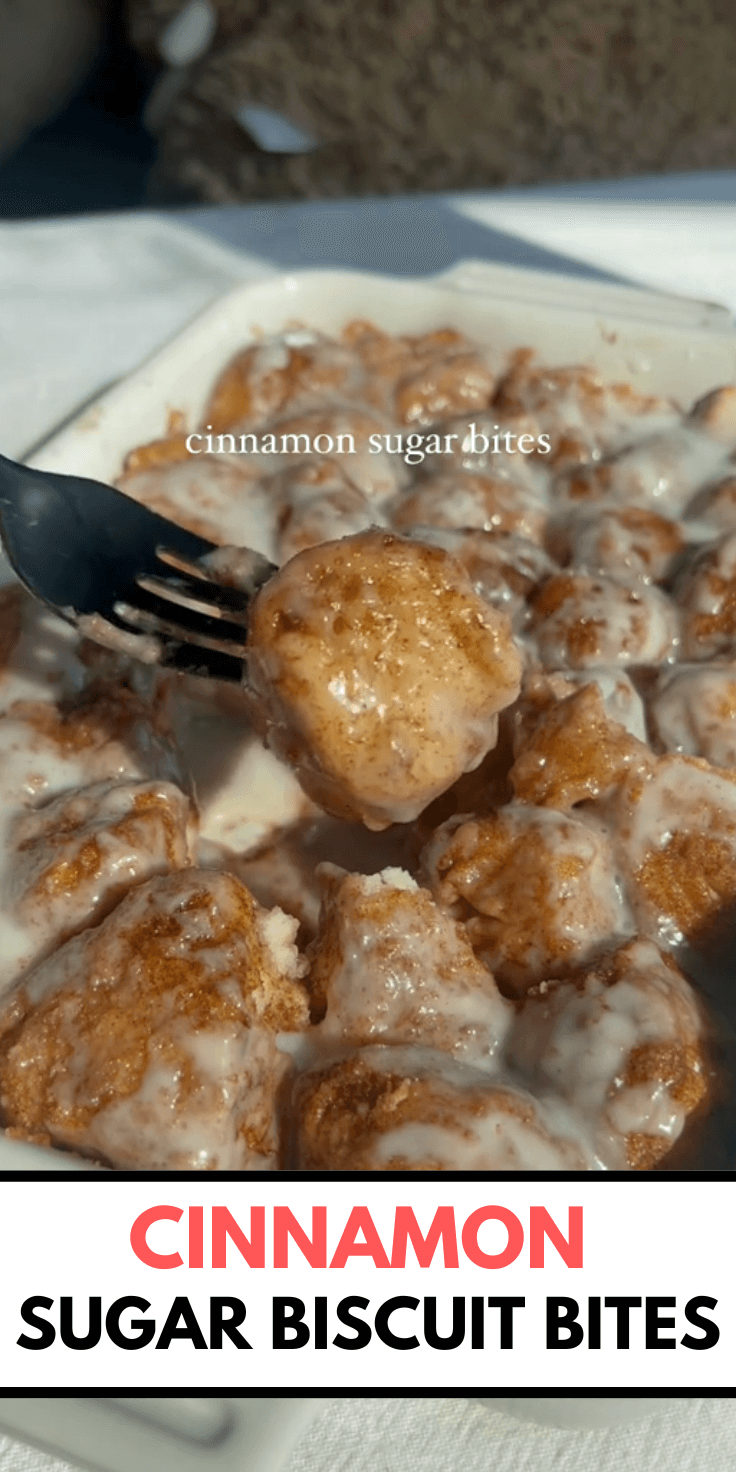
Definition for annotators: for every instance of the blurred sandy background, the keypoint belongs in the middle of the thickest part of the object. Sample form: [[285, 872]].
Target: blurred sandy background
[[116, 103]]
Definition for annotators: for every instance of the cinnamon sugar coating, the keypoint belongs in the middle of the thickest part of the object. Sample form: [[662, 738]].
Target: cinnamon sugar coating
[[584, 622], [149, 1040], [575, 752], [538, 891], [410, 1109], [675, 827]]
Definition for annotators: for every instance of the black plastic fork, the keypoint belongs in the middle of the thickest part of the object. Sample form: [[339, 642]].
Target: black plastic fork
[[93, 554]]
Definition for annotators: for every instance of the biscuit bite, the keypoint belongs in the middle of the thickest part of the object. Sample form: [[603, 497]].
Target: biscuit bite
[[149, 1041], [623, 1045], [663, 471], [388, 966], [707, 598], [575, 752], [317, 502], [71, 860], [87, 811], [413, 1109], [675, 830], [380, 674], [502, 568], [621, 541], [582, 622], [538, 891], [460, 498], [692, 709]]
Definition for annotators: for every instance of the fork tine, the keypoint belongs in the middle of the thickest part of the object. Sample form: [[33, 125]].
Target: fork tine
[[153, 623], [201, 596]]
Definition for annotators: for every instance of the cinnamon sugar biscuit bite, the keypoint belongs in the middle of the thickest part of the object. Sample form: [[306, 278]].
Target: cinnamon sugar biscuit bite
[[621, 541], [317, 502], [622, 1044], [575, 752], [421, 379], [488, 502], [71, 860], [502, 568], [707, 598], [538, 891], [660, 472], [692, 709], [389, 966], [412, 1109], [349, 649], [293, 371], [582, 622], [356, 434], [675, 828], [210, 495], [149, 1041], [576, 404], [542, 689]]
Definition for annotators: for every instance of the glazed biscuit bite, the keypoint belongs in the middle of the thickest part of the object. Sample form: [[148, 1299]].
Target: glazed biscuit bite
[[487, 446], [675, 827], [412, 1109], [213, 496], [149, 1041], [575, 401], [503, 569], [622, 540], [380, 674], [542, 689], [623, 1046], [715, 415], [662, 471], [574, 753], [457, 383], [104, 735], [318, 503], [538, 890], [357, 434], [463, 499], [692, 709], [69, 862], [388, 966], [266, 379], [583, 622], [421, 379], [707, 599]]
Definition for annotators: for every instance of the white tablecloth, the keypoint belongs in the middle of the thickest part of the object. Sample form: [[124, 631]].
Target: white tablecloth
[[421, 1435]]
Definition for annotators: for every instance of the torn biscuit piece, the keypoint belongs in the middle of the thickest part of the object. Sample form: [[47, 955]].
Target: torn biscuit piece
[[389, 966]]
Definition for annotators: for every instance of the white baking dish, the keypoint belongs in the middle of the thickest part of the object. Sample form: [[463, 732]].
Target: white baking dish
[[662, 344]]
